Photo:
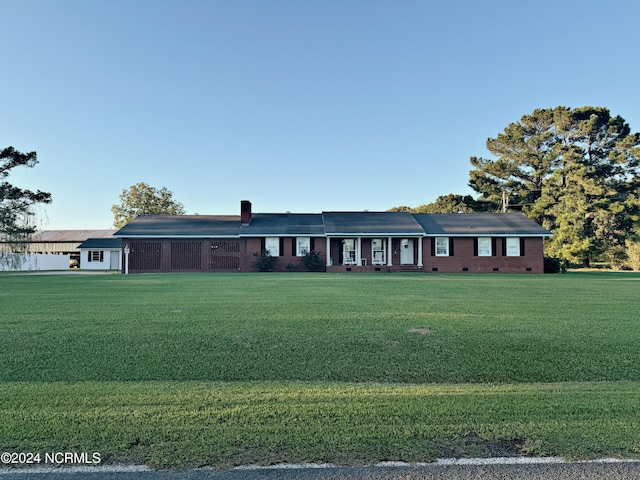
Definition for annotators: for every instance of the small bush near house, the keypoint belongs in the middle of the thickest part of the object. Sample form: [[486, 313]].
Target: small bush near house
[[312, 261], [264, 261], [551, 265]]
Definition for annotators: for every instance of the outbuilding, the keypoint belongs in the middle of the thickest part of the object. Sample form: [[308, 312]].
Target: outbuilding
[[101, 254]]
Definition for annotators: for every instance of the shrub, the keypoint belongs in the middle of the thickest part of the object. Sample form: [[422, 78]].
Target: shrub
[[264, 261], [551, 265], [312, 261]]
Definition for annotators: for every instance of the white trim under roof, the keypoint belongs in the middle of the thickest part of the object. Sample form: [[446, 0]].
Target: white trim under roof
[[377, 235], [363, 235], [489, 234], [177, 236], [282, 235]]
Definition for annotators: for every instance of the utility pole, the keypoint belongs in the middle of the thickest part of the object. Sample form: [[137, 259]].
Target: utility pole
[[505, 202]]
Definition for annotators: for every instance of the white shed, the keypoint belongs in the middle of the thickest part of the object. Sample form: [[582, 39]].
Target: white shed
[[101, 254]]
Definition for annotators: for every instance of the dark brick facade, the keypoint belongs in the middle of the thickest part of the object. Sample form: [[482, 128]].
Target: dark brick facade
[[183, 255], [287, 260], [240, 255], [463, 258], [466, 259]]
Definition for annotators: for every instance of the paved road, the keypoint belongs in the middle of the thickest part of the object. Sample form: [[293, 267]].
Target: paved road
[[555, 471]]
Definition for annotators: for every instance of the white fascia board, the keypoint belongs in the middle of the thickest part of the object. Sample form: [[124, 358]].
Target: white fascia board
[[330, 235], [176, 236], [376, 235], [281, 235], [497, 235]]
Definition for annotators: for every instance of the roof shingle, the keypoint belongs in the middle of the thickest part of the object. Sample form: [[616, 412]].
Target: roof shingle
[[101, 243], [181, 226], [333, 224], [474, 224], [283, 224], [370, 223]]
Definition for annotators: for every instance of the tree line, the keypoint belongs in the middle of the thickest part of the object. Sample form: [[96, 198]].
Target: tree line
[[573, 171]]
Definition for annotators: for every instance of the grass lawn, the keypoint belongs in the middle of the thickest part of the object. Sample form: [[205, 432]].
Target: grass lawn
[[225, 369]]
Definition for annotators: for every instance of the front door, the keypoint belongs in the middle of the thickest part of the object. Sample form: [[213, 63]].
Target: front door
[[115, 256], [406, 251]]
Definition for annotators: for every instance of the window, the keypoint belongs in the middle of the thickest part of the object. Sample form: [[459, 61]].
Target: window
[[95, 256], [442, 246], [484, 247], [377, 251], [513, 246], [348, 251], [303, 245], [272, 245]]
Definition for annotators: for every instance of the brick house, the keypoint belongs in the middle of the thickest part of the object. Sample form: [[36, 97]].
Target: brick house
[[346, 241]]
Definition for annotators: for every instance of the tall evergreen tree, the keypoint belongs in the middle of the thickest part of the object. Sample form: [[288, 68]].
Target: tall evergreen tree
[[16, 204], [576, 172], [16, 207]]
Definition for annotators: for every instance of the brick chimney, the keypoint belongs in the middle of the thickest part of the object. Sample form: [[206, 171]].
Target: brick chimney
[[245, 212]]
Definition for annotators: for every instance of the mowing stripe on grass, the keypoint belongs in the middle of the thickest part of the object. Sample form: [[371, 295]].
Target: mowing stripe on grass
[[318, 327], [187, 370], [190, 424]]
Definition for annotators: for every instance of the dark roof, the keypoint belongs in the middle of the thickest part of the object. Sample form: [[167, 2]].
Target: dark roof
[[283, 224], [101, 243], [474, 224], [333, 224], [370, 223], [69, 235], [181, 226]]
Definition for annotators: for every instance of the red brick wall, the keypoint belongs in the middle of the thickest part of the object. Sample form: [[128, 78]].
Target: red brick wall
[[184, 255], [463, 257], [148, 255], [287, 256]]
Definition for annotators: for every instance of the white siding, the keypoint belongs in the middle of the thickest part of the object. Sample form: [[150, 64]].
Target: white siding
[[105, 264], [33, 261]]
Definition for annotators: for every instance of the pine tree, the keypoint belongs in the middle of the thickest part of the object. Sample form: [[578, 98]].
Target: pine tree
[[573, 171]]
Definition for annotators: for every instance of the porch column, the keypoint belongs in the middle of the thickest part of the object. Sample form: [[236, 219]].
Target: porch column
[[389, 252], [328, 252], [420, 252], [359, 251], [127, 250]]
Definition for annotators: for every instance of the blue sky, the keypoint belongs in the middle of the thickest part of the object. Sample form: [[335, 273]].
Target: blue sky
[[296, 105]]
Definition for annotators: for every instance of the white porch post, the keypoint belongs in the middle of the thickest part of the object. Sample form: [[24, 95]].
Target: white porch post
[[328, 252], [389, 252], [359, 251], [126, 260], [420, 252]]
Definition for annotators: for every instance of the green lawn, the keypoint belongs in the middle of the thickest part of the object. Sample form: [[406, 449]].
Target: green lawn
[[214, 369]]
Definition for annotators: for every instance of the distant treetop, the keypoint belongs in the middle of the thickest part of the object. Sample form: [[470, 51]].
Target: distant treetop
[[142, 199]]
